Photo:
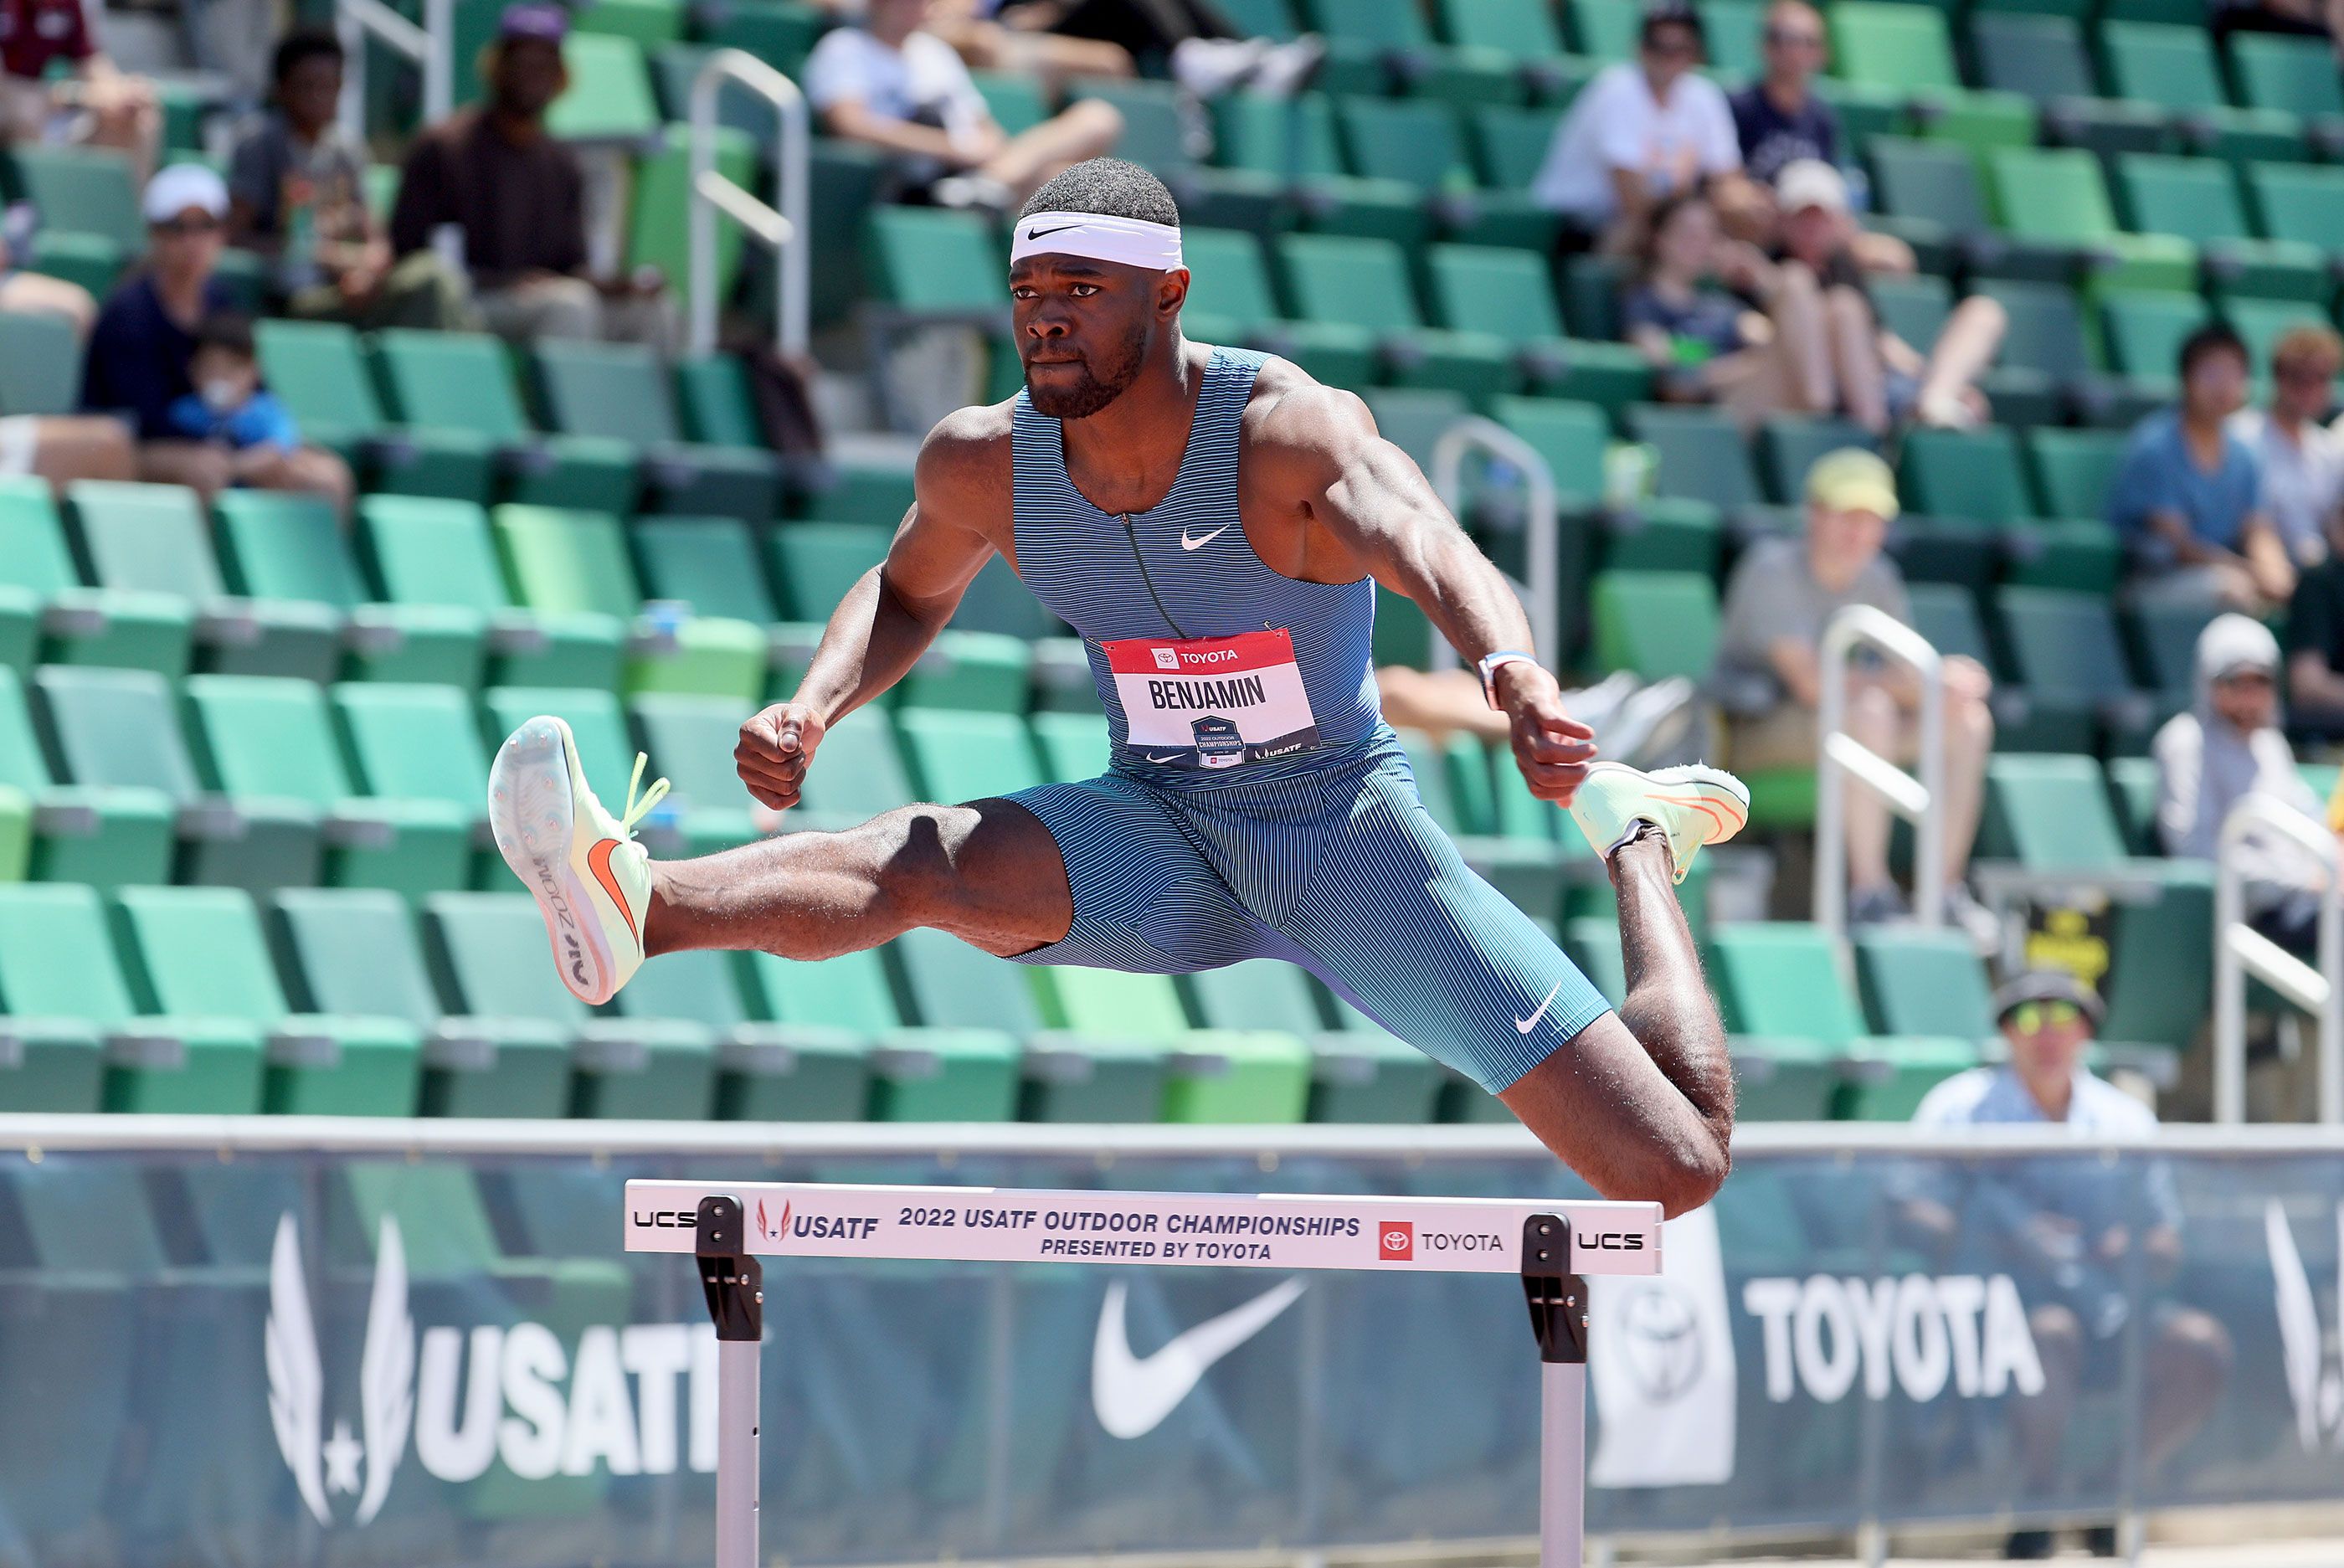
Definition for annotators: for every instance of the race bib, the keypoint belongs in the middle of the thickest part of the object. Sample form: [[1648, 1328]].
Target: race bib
[[1211, 701]]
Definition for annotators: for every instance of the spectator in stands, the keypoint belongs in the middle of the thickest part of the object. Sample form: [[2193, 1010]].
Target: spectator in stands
[[1782, 593], [140, 353], [2188, 497], [1882, 380], [1644, 726], [1643, 130], [990, 36], [2066, 1229], [2315, 643], [229, 408], [1778, 119], [895, 86], [516, 197], [94, 103], [1192, 41], [2225, 748], [1705, 343], [297, 194], [2302, 459]]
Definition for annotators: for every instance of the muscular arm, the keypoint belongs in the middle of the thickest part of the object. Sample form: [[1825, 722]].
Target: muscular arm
[[895, 610], [1359, 503]]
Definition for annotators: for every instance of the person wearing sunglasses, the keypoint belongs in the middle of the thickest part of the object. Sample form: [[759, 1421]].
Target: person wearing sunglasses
[[2063, 1226], [2302, 458], [1644, 130]]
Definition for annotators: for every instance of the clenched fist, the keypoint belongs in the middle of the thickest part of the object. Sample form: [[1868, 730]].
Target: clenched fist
[[776, 747], [1552, 747]]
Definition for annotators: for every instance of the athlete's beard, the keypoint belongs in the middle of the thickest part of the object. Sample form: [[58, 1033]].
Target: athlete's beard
[[1094, 391]]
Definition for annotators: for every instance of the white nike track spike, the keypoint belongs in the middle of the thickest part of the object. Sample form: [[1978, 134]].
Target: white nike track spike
[[590, 879], [1693, 805]]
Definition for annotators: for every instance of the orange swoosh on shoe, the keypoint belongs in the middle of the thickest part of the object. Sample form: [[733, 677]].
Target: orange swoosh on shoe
[[598, 860]]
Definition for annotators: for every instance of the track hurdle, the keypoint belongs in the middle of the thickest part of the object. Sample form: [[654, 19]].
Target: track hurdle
[[1550, 1246]]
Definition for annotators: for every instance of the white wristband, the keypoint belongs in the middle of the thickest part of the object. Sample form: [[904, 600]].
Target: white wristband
[[1488, 666]]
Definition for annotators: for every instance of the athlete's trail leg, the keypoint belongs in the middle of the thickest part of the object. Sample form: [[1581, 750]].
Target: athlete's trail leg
[[1598, 1102], [988, 872]]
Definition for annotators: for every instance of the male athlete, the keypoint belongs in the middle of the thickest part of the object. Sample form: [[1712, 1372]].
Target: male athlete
[[1214, 522]]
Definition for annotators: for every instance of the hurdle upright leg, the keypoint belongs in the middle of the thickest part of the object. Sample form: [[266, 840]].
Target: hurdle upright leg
[[1557, 1302], [733, 1282]]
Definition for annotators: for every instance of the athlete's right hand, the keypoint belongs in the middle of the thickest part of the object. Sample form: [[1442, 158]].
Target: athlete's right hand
[[776, 747]]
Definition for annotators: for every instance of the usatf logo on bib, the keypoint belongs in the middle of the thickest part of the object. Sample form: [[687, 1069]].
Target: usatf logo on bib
[[1212, 702]]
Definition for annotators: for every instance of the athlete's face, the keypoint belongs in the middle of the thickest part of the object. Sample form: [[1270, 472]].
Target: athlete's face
[[1083, 328]]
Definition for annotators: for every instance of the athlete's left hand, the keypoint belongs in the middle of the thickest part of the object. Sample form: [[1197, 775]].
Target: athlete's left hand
[[1551, 748]]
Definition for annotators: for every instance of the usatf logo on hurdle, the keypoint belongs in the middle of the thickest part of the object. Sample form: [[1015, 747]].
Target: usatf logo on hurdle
[[1395, 1239]]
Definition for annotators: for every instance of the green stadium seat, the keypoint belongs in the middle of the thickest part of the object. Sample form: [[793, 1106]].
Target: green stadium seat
[[2074, 468], [1907, 49], [2057, 196], [119, 728], [609, 96], [46, 615], [1948, 617], [1230, 300], [689, 740], [576, 563], [1413, 419], [708, 564], [265, 737], [40, 364], [419, 742], [971, 670], [1572, 437], [2044, 57], [964, 756], [1074, 745], [1921, 982], [930, 261], [2198, 198], [1702, 455], [1293, 141], [821, 1019], [2262, 323], [83, 190], [2171, 64], [61, 982], [659, 221], [1509, 294], [859, 773], [620, 391], [202, 953], [713, 398], [102, 835], [464, 381], [1791, 444], [1510, 144], [2132, 790], [815, 563], [2144, 332], [431, 551], [488, 950], [1374, 45], [356, 951], [319, 367], [1976, 474], [2063, 646], [1365, 283], [1736, 31], [964, 1064], [2298, 203], [1419, 142], [277, 545], [1783, 982], [152, 537], [806, 1073], [1360, 1074], [2291, 76], [1656, 624], [1521, 32]]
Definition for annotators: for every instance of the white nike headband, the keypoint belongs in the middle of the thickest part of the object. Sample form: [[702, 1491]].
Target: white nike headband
[[1130, 241]]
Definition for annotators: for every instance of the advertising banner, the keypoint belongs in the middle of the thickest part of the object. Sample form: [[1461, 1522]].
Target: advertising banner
[[415, 1358]]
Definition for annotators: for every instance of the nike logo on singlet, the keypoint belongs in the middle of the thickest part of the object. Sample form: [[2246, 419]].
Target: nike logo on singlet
[[1524, 1025], [1188, 544], [1033, 234], [1167, 757]]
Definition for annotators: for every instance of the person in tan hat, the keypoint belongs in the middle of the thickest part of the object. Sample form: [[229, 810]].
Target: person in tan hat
[[1783, 591]]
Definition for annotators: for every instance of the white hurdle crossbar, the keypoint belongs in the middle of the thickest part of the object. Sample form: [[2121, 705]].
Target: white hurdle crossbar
[[727, 1227]]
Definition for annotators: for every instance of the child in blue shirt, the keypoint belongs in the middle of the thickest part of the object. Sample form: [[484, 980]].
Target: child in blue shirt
[[228, 405]]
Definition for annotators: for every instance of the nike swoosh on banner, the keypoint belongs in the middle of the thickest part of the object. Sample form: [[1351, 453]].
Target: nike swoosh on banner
[[1188, 544], [1526, 1025], [1133, 1394], [598, 861]]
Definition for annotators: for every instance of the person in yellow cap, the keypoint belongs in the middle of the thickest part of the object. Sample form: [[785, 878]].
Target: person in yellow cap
[[1783, 593]]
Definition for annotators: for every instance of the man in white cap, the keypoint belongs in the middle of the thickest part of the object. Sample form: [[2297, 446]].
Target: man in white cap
[[145, 335]]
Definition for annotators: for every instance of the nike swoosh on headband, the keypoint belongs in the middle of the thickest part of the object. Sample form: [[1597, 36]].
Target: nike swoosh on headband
[[1131, 1394], [1038, 233]]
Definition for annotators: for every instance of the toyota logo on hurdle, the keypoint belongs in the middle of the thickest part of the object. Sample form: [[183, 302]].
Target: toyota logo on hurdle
[[1395, 1239]]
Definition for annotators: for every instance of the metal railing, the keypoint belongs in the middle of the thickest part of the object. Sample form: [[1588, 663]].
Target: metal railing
[[430, 46], [2240, 950], [1542, 596], [784, 230], [1842, 755]]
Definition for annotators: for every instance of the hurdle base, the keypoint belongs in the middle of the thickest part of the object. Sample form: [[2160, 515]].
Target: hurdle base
[[1558, 1304], [733, 1282]]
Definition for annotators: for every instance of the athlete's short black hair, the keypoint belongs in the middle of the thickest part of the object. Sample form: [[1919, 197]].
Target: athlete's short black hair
[[1109, 187], [2213, 338]]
